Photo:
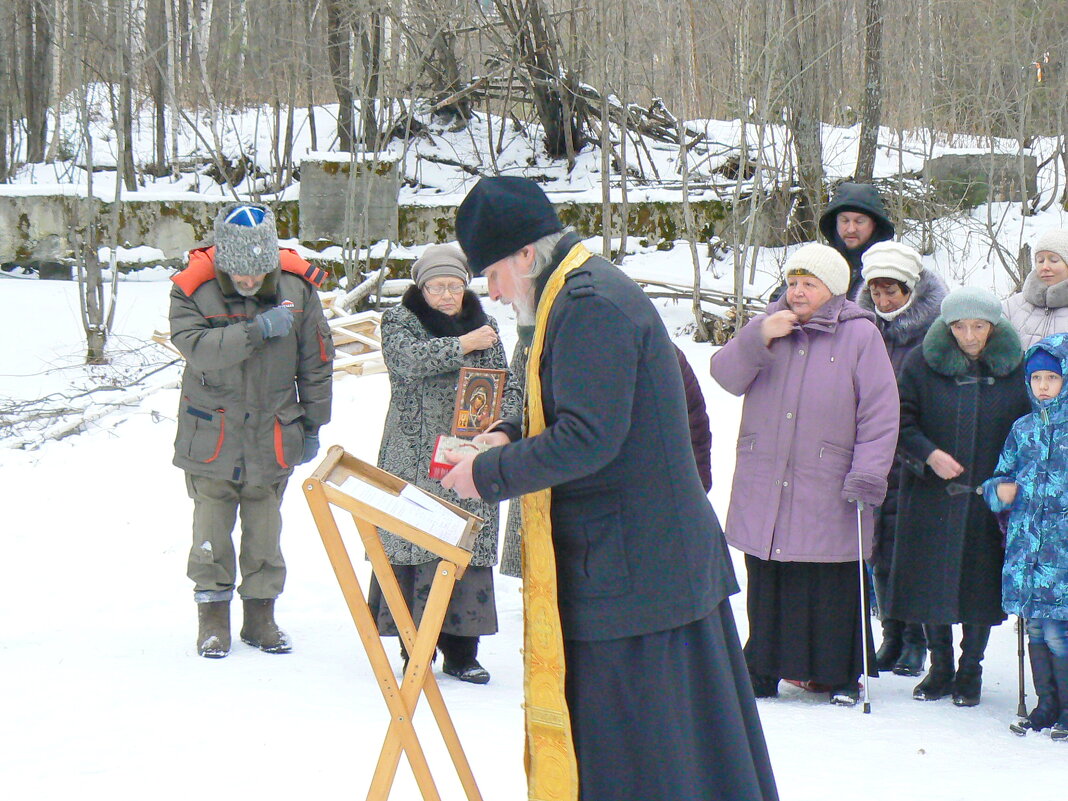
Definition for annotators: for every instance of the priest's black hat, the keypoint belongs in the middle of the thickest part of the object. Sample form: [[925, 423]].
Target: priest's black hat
[[501, 215]]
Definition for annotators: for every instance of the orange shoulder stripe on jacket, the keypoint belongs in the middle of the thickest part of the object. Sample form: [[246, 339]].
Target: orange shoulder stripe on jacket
[[201, 269]]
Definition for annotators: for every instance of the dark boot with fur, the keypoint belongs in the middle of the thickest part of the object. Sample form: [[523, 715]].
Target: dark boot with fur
[[213, 637], [968, 683], [259, 629], [1049, 708], [460, 661], [938, 683]]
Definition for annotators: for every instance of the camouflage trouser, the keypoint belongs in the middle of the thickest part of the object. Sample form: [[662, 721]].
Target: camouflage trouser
[[212, 561]]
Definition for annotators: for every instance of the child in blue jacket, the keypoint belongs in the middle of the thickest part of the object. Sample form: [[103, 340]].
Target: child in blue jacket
[[1031, 483]]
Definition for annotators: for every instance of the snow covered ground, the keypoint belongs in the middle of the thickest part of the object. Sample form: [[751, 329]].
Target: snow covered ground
[[105, 697]]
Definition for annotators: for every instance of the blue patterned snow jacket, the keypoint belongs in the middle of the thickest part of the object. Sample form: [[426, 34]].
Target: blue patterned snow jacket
[[1034, 581]]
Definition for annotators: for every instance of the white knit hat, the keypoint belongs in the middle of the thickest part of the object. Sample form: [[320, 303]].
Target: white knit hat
[[1055, 240], [824, 262], [892, 260]]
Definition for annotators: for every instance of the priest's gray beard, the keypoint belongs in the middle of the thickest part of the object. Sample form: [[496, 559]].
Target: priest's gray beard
[[524, 309]]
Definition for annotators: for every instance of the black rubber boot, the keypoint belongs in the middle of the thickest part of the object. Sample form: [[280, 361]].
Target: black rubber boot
[[213, 637], [1047, 711], [259, 629], [938, 683], [890, 648], [1060, 675], [968, 683], [913, 651], [459, 658]]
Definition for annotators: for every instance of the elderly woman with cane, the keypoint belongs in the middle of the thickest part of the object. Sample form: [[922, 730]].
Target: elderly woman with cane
[[817, 438], [960, 394]]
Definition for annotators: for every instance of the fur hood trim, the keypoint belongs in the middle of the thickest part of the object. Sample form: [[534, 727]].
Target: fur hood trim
[[1045, 297], [917, 318], [1000, 357]]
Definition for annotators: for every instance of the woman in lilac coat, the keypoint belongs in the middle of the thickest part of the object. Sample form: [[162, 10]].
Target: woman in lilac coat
[[818, 434]]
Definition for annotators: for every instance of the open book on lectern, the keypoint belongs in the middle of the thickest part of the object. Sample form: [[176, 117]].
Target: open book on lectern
[[393, 504]]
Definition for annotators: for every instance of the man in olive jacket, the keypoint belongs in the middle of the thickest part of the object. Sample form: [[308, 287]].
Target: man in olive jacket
[[256, 389]]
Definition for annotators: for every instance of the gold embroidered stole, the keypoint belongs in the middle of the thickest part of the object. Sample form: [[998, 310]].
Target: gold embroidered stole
[[552, 771]]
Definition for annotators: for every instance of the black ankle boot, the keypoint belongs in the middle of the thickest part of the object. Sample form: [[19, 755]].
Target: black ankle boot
[[913, 652], [890, 649], [460, 661], [968, 683], [938, 683]]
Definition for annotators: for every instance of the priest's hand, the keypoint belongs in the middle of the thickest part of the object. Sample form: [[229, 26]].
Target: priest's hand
[[460, 479], [493, 438]]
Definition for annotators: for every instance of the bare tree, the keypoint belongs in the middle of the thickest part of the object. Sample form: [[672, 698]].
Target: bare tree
[[36, 73], [871, 115], [803, 93], [338, 33], [532, 35]]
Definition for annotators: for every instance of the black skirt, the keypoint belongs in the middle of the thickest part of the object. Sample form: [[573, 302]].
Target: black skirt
[[804, 621], [472, 609], [668, 715]]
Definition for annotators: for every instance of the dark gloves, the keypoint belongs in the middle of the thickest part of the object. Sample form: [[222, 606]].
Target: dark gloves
[[311, 445], [864, 487], [275, 322]]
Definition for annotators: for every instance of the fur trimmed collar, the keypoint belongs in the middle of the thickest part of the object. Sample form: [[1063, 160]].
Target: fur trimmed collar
[[1000, 357], [439, 324], [1045, 297], [914, 320]]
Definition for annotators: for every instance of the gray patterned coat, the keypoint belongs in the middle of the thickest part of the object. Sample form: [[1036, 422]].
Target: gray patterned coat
[[423, 371]]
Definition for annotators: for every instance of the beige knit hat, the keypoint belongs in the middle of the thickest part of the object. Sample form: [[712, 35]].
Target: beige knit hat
[[824, 262], [1055, 240], [892, 260], [440, 260]]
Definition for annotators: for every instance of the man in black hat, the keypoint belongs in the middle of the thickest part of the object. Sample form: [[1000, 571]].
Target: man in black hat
[[658, 700], [854, 220]]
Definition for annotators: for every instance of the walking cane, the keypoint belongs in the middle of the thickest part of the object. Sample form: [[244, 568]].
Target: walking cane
[[863, 607], [1021, 709]]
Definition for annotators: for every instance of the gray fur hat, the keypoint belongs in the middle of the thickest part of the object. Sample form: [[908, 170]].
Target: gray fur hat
[[971, 303], [246, 239], [1054, 240], [438, 260]]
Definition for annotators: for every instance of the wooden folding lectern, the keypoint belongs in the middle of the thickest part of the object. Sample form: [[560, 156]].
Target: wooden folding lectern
[[376, 498]]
